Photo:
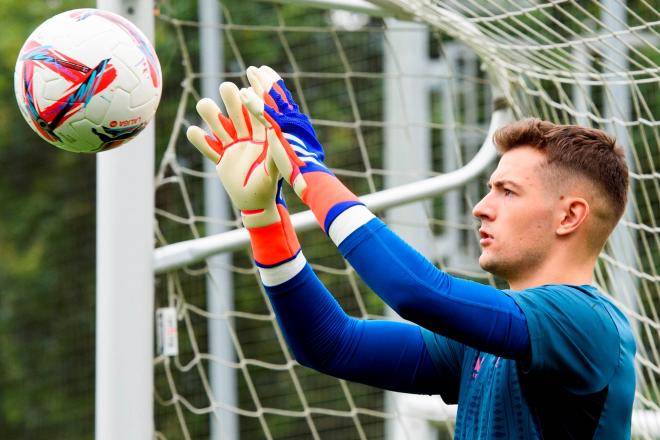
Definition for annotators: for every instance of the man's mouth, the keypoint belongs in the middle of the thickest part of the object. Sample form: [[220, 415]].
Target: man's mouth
[[485, 237]]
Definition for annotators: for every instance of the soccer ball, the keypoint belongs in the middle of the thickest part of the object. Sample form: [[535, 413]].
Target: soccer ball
[[87, 80]]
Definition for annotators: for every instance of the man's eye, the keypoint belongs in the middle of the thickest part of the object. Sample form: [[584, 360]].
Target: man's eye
[[507, 192]]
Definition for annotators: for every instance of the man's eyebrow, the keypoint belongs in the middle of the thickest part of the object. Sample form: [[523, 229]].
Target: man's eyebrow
[[503, 182]]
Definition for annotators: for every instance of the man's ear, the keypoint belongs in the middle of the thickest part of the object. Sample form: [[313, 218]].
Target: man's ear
[[575, 212]]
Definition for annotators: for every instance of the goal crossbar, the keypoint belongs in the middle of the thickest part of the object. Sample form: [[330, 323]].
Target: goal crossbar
[[357, 6]]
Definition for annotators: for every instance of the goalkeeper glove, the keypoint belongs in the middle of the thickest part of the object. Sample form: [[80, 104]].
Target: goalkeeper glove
[[238, 145], [298, 154]]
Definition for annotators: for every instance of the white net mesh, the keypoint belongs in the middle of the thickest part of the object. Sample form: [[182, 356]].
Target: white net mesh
[[592, 63]]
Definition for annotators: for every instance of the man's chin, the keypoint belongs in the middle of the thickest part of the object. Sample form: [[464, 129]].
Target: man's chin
[[488, 264], [483, 263]]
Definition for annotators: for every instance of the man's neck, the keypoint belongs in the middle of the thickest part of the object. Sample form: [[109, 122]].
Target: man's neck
[[559, 270]]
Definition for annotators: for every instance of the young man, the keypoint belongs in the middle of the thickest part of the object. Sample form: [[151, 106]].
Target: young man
[[550, 358]]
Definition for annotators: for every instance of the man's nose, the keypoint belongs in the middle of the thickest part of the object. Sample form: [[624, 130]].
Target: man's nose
[[483, 209]]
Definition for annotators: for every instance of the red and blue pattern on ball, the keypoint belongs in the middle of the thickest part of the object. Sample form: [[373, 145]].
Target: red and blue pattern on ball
[[86, 83]]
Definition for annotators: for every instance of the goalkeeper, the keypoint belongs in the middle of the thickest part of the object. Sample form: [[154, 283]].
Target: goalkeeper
[[549, 358]]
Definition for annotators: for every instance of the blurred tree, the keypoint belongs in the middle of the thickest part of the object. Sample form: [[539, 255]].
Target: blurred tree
[[46, 262]]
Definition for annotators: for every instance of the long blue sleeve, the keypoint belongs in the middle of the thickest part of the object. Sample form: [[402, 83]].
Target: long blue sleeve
[[477, 315], [386, 354]]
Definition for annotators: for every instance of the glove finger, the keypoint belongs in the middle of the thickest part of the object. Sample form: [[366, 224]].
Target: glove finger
[[282, 97], [287, 167], [258, 124], [258, 108], [210, 113], [260, 86], [255, 106], [293, 157], [279, 152], [277, 84], [274, 86], [279, 156], [255, 80], [268, 75], [232, 99], [208, 146]]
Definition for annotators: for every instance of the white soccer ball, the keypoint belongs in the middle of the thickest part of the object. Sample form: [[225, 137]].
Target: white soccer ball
[[87, 80]]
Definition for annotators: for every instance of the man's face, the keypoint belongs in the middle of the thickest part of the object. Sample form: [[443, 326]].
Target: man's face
[[518, 216]]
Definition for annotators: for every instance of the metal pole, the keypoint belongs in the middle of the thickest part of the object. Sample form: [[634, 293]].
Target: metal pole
[[219, 283], [452, 199], [623, 284], [179, 254], [407, 153], [124, 265]]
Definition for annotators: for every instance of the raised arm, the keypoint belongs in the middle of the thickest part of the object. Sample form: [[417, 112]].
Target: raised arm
[[385, 354], [480, 316]]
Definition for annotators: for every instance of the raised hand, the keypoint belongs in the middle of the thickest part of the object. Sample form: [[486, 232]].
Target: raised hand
[[238, 146], [295, 125], [294, 146]]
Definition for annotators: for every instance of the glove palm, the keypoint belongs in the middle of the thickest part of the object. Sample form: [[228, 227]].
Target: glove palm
[[238, 144], [238, 147]]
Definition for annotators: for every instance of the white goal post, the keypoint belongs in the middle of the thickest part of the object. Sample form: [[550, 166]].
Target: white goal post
[[124, 273], [481, 65]]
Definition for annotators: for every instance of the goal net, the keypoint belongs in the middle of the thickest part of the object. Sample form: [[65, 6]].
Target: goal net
[[403, 95]]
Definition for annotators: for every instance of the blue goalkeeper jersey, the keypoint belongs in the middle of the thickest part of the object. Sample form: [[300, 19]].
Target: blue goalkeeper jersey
[[551, 362], [578, 382]]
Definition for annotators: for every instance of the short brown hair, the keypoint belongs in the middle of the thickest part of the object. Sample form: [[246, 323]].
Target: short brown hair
[[589, 152]]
